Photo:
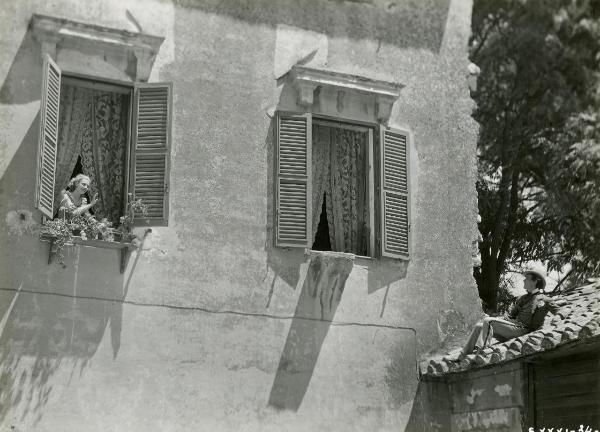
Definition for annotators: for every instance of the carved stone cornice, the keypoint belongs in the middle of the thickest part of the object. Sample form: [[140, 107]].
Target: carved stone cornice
[[53, 33], [307, 80]]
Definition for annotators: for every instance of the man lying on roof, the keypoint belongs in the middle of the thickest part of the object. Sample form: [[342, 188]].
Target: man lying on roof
[[525, 315]]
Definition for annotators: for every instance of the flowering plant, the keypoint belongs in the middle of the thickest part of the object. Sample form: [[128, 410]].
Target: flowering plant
[[60, 231], [134, 207]]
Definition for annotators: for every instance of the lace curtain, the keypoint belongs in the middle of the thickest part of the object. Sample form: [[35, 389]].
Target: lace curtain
[[93, 127], [339, 174], [74, 107]]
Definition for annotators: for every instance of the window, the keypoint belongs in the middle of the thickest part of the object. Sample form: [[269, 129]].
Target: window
[[342, 178], [349, 181], [117, 135]]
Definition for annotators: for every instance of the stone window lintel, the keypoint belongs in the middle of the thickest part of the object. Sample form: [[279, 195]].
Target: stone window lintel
[[307, 80], [52, 32]]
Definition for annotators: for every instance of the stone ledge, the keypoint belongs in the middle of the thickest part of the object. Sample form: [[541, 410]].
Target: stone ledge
[[307, 80]]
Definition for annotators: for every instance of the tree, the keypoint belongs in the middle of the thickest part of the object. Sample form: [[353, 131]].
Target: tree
[[537, 103]]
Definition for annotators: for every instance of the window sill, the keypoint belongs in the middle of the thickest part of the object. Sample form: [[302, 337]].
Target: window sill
[[102, 243], [359, 260], [332, 254]]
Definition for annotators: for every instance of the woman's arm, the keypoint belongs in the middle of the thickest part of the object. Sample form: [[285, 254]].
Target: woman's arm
[[83, 208]]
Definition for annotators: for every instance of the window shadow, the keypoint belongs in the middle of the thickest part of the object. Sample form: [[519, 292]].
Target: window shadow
[[385, 271], [54, 327], [26, 70], [320, 296]]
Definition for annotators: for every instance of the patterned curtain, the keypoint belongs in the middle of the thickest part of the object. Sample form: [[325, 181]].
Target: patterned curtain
[[339, 171], [75, 104], [347, 212], [103, 156]]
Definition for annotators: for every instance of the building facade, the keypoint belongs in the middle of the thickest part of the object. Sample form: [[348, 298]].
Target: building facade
[[309, 169]]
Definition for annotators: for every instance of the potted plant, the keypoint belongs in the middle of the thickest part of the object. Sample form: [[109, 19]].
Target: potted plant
[[134, 207]]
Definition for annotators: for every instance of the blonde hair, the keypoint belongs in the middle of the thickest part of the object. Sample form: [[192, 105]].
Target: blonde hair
[[76, 180]]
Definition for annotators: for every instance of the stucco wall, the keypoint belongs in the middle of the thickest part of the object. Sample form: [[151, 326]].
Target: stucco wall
[[197, 331]]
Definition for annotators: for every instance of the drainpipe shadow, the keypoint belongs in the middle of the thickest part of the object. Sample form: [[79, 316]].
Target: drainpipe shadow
[[318, 301]]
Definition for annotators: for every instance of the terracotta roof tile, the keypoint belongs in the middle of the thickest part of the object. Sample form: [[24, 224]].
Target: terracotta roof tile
[[495, 357], [568, 335], [592, 328], [578, 317], [551, 341], [512, 353], [515, 345]]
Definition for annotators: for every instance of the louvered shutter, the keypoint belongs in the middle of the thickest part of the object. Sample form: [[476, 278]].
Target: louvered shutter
[[47, 144], [151, 147], [294, 180], [395, 187]]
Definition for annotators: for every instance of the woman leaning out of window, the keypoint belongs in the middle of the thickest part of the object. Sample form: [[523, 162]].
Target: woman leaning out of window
[[74, 203]]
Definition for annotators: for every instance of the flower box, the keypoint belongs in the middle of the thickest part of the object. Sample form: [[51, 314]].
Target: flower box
[[121, 241]]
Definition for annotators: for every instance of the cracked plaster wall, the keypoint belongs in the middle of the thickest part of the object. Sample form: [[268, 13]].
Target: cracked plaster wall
[[191, 336]]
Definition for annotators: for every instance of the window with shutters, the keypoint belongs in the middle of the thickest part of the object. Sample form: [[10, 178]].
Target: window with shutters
[[118, 135], [342, 186]]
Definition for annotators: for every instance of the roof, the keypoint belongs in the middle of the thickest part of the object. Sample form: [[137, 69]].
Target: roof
[[577, 318]]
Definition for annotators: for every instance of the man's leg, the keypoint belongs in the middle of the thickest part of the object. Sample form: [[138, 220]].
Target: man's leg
[[501, 327], [471, 342]]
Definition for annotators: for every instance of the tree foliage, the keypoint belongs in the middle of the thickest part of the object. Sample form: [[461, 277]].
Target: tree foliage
[[538, 98]]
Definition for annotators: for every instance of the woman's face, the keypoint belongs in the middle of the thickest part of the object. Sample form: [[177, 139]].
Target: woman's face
[[83, 186]]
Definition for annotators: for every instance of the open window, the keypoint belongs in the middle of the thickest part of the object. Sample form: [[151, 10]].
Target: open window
[[342, 187], [118, 135]]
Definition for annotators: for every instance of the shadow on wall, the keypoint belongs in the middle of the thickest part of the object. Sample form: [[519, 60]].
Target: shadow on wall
[[16, 188], [319, 299], [25, 70], [53, 324], [431, 408], [405, 24]]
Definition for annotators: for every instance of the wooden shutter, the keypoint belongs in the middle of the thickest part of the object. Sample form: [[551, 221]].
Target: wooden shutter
[[151, 148], [48, 139], [566, 392], [294, 180], [395, 187]]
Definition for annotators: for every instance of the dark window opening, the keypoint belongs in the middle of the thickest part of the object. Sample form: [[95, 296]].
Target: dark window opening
[[322, 241]]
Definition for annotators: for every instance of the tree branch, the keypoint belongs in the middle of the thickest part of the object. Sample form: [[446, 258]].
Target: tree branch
[[560, 282]]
